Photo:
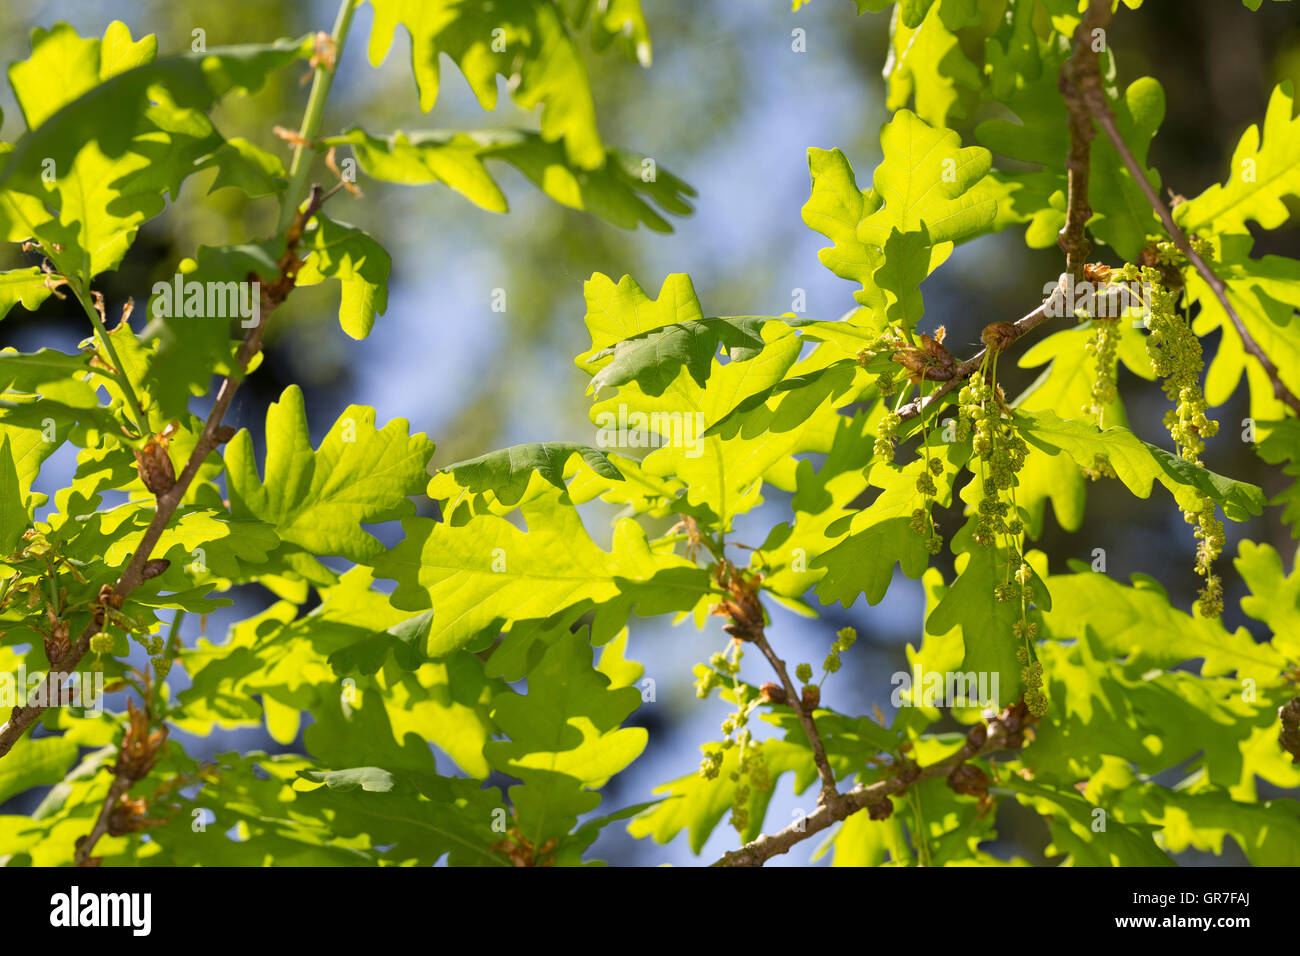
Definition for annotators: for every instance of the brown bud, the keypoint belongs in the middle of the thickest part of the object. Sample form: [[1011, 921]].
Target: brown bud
[[108, 596], [223, 433], [1015, 716], [1289, 738], [771, 693], [998, 335], [153, 568], [930, 361], [882, 810], [978, 734], [58, 642], [155, 467], [969, 780], [811, 697], [1097, 272]]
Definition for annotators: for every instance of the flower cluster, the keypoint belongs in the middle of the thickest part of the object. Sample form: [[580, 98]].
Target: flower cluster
[[752, 774], [844, 639], [1103, 346], [1210, 539], [887, 435], [886, 344], [1167, 252], [1176, 357], [721, 669], [1101, 468], [1001, 453], [735, 732], [1031, 674], [922, 518]]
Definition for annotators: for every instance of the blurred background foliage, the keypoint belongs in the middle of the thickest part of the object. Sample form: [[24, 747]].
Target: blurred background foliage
[[731, 107]]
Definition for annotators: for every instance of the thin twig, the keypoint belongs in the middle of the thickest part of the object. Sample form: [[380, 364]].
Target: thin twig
[[828, 793], [136, 755], [1004, 732], [122, 783], [1101, 112], [322, 80], [120, 377], [212, 435], [1080, 72], [966, 369]]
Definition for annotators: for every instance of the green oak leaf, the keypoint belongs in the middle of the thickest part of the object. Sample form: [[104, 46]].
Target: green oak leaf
[[26, 287], [36, 763], [834, 209], [986, 623], [926, 179], [1071, 817], [653, 359], [476, 571], [507, 472], [318, 499], [1137, 463], [1274, 597], [196, 322], [1265, 169], [1139, 623], [927, 64], [14, 519], [565, 738], [1282, 444], [511, 38], [109, 175], [337, 250], [620, 191]]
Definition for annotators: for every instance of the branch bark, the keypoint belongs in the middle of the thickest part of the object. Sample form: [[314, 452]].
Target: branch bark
[[167, 502], [1006, 731], [1079, 73], [1095, 101], [966, 369], [122, 783], [829, 792]]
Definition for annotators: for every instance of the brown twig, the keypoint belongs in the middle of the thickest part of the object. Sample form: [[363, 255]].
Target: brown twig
[[136, 756], [966, 369], [1006, 731], [1101, 112], [828, 793], [1079, 73], [166, 503], [744, 613]]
